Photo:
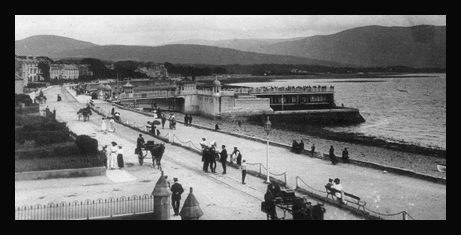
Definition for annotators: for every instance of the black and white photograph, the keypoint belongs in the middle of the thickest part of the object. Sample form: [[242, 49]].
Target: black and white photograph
[[230, 117]]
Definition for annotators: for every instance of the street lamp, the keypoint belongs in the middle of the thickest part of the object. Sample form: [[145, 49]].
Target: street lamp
[[267, 128]]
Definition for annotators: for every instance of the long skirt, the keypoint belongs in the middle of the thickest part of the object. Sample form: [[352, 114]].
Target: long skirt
[[120, 160], [113, 160]]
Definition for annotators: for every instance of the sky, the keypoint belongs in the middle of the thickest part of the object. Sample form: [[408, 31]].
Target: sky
[[151, 30]]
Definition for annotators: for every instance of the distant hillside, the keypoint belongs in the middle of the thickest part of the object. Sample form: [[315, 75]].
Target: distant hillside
[[418, 46], [45, 45], [252, 45], [184, 54], [369, 46]]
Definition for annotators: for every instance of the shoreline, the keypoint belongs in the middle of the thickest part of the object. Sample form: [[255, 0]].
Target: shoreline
[[245, 79], [406, 156]]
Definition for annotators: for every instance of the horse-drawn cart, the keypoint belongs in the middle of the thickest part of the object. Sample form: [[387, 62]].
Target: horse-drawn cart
[[156, 151]]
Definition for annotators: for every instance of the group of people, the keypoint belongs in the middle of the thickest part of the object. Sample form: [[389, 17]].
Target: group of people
[[336, 185], [112, 117], [188, 120], [297, 147], [171, 119], [114, 156], [334, 159], [211, 153]]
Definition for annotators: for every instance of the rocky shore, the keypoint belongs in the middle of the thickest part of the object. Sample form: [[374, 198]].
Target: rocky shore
[[416, 158]]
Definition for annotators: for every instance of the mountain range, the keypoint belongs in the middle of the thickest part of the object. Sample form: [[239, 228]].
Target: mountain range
[[422, 46]]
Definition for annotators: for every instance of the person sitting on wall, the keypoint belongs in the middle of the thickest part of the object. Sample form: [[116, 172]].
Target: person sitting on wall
[[294, 146]]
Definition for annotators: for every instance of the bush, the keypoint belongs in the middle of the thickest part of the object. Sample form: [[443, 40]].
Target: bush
[[22, 98], [87, 145]]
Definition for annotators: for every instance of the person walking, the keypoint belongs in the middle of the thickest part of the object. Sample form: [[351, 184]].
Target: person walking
[[112, 111], [190, 120], [313, 149], [345, 156], [113, 155], [332, 156], [120, 162], [223, 158], [139, 144], [106, 156], [186, 119], [103, 126], [112, 125], [163, 120], [244, 171], [176, 190], [212, 156], [236, 155]]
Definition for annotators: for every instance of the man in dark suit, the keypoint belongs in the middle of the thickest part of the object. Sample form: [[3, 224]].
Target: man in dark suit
[[223, 159], [176, 190]]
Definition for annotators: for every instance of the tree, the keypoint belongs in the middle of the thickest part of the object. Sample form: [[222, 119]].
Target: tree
[[45, 68], [97, 67]]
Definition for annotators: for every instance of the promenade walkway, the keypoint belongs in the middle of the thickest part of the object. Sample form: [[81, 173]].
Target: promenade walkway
[[384, 192], [221, 197]]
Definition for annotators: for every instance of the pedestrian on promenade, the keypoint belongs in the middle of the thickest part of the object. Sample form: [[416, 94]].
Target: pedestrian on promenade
[[240, 123], [223, 159], [120, 162], [112, 111], [244, 171], [103, 126], [345, 156], [106, 158], [113, 155], [159, 113], [294, 146], [112, 125], [186, 119], [190, 120], [158, 132], [176, 190], [216, 127], [139, 144], [236, 155], [212, 156], [163, 120], [313, 149], [338, 187], [332, 155]]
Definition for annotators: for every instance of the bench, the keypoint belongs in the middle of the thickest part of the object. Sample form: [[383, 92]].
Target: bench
[[349, 198]]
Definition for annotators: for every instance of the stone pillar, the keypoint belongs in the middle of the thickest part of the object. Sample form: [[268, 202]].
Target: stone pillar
[[162, 199], [191, 208]]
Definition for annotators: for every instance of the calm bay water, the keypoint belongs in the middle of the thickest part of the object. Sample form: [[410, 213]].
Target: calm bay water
[[417, 116]]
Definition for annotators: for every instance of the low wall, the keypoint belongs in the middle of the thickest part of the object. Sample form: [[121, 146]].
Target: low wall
[[65, 173], [316, 155]]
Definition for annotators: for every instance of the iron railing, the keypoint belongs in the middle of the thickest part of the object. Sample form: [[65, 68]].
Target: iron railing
[[87, 209]]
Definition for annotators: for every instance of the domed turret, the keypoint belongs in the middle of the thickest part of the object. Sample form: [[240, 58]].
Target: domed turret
[[216, 82]]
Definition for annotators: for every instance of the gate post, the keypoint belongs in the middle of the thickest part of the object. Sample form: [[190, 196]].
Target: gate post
[[162, 195]]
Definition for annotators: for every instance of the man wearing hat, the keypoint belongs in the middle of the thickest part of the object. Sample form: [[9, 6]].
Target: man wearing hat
[[176, 190]]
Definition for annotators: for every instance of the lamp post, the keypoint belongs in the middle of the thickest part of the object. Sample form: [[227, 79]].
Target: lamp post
[[267, 128]]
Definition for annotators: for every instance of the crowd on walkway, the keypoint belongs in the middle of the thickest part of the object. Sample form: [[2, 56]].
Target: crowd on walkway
[[299, 148]]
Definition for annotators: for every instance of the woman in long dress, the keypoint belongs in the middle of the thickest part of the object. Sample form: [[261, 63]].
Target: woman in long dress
[[111, 125], [120, 157], [103, 126], [113, 155]]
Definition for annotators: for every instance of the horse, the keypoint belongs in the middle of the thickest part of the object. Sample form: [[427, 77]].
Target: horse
[[156, 150], [85, 112]]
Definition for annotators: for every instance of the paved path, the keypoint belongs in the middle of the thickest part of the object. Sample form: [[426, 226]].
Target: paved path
[[221, 197], [384, 192]]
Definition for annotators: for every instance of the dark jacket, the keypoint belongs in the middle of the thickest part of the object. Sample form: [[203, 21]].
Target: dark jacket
[[140, 142], [176, 190], [223, 156]]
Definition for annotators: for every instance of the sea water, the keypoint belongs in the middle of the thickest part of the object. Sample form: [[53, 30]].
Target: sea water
[[415, 116]]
